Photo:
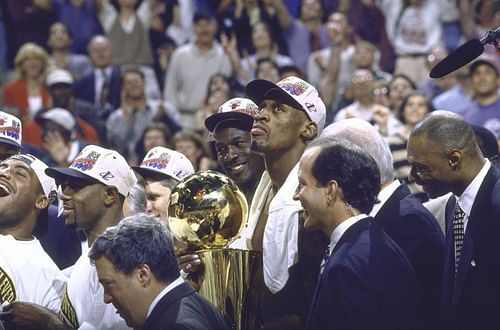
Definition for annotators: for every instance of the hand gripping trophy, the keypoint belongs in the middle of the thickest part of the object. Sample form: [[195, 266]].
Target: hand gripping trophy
[[207, 211]]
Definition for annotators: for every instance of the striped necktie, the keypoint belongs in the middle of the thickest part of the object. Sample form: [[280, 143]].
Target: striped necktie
[[325, 259], [458, 233]]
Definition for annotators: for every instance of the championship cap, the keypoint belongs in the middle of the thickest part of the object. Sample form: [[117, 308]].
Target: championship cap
[[97, 164], [237, 112], [292, 91], [161, 162], [10, 130], [48, 184]]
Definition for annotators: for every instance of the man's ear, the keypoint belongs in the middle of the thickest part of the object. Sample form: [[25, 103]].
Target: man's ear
[[332, 192], [455, 157], [111, 194], [42, 202], [310, 131], [143, 274]]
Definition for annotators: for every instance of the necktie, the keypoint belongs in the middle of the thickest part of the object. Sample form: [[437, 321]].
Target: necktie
[[103, 97], [458, 233], [325, 259]]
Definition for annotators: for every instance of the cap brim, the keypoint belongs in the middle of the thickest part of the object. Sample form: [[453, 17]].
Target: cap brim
[[150, 174], [11, 143], [259, 89], [62, 173], [215, 119]]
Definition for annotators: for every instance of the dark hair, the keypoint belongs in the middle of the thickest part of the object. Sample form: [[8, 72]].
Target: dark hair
[[132, 69], [355, 171], [261, 61], [165, 131], [402, 76], [428, 103], [136, 240]]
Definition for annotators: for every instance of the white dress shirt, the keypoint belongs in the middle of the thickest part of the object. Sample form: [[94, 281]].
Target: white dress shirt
[[178, 281], [383, 196], [342, 228]]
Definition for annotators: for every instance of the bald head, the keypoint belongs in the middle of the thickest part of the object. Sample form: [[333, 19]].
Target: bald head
[[100, 51], [446, 130]]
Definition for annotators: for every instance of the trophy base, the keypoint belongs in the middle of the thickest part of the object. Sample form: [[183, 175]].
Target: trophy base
[[229, 281]]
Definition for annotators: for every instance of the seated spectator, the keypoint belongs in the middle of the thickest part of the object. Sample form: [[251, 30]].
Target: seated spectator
[[366, 56], [59, 42], [484, 77], [267, 69], [126, 125], [27, 93], [59, 138], [191, 145], [433, 87], [400, 87], [458, 98], [413, 109], [155, 135], [60, 85], [102, 86]]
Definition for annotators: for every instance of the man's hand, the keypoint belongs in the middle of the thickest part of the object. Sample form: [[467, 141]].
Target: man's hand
[[27, 315], [54, 143]]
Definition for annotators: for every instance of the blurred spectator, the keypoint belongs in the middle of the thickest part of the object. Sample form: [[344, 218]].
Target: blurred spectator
[[399, 88], [102, 86], [80, 18], [27, 93], [305, 34], [60, 141], [191, 67], [330, 69], [59, 42], [366, 56], [484, 76], [60, 85], [458, 98], [413, 109], [127, 29], [162, 59], [218, 92], [417, 29], [267, 69], [125, 126], [155, 135], [433, 87], [247, 15], [364, 106], [27, 21], [450, 17], [289, 71], [190, 144], [381, 93]]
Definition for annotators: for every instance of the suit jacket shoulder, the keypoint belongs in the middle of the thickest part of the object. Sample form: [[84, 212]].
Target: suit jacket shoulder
[[184, 308]]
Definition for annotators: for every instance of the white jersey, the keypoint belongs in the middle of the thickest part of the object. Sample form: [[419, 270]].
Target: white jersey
[[27, 273], [83, 304]]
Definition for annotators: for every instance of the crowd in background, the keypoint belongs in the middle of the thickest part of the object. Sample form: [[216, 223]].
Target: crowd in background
[[131, 75]]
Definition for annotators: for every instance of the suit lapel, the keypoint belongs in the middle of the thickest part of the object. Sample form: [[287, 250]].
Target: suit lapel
[[480, 204], [171, 297]]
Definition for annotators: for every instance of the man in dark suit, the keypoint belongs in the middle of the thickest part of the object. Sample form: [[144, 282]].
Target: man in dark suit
[[366, 281], [144, 284], [403, 218], [102, 86], [445, 158]]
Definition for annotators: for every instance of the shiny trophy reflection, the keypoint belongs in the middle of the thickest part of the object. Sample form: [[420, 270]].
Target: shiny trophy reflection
[[207, 210]]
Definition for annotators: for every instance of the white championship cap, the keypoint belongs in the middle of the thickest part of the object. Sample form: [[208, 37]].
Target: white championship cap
[[292, 91], [161, 162], [99, 164], [60, 116], [59, 76], [48, 184], [10, 129]]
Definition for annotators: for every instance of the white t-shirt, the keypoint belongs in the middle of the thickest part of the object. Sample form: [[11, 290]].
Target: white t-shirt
[[83, 304], [27, 273]]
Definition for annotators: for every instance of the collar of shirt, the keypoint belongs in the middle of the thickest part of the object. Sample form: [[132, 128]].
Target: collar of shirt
[[169, 288], [383, 196], [466, 200], [341, 229]]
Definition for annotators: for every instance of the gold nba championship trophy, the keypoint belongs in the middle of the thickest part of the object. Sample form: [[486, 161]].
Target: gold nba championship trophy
[[207, 210]]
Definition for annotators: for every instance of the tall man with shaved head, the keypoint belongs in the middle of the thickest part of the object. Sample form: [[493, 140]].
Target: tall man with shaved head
[[445, 157]]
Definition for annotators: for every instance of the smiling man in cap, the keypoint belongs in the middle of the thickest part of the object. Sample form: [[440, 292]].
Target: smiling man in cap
[[230, 128], [94, 188], [290, 115], [27, 273]]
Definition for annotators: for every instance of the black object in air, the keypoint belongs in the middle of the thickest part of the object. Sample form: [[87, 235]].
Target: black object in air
[[464, 54]]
